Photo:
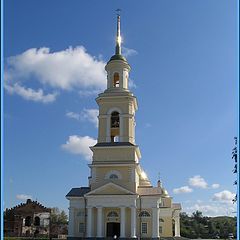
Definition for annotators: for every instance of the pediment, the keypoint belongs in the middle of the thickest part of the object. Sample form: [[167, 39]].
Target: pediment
[[110, 189]]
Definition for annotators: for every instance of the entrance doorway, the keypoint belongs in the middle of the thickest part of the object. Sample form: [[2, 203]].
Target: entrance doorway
[[113, 228]]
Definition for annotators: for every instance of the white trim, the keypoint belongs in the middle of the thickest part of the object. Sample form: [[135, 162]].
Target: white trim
[[121, 128], [109, 185], [114, 109], [108, 130], [113, 164]]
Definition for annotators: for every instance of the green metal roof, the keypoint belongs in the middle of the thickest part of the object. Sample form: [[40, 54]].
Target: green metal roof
[[118, 57]]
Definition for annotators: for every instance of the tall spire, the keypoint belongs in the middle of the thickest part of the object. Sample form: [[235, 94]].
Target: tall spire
[[118, 38]]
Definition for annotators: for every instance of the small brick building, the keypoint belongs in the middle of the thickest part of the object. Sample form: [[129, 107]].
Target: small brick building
[[27, 219]]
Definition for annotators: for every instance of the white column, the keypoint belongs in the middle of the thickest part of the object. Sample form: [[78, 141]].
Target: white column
[[89, 221], [121, 124], [71, 222], [177, 226], [155, 222], [108, 126], [133, 222], [99, 222], [122, 222]]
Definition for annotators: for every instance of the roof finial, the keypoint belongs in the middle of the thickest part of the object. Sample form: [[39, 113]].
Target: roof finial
[[159, 184], [118, 38]]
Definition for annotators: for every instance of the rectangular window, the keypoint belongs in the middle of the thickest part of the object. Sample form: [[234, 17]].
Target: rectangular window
[[160, 229], [144, 228], [81, 213], [81, 227]]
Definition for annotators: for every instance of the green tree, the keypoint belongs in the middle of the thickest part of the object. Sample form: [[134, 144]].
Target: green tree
[[58, 217], [234, 157]]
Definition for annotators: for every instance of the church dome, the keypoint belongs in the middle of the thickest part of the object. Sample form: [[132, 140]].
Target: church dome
[[165, 192], [118, 57]]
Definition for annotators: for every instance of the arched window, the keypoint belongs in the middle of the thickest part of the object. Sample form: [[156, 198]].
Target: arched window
[[28, 221], [115, 122], [144, 214], [116, 80], [37, 221], [112, 214], [113, 176]]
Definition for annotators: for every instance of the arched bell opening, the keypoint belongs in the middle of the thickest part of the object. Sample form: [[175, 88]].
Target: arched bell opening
[[116, 79], [115, 126]]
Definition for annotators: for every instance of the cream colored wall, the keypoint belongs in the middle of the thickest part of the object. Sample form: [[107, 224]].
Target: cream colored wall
[[111, 154], [167, 202], [125, 181], [77, 220], [126, 106], [167, 227], [148, 220], [120, 67], [102, 129]]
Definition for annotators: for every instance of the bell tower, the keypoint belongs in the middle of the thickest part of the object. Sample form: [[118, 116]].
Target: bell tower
[[116, 146], [117, 105]]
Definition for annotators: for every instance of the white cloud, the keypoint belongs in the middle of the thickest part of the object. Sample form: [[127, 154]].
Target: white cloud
[[128, 52], [88, 93], [30, 94], [215, 185], [131, 84], [23, 197], [80, 145], [90, 115], [73, 115], [212, 209], [197, 181], [184, 189], [224, 196], [72, 68]]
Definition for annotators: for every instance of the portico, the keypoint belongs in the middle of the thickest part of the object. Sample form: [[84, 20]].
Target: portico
[[111, 209]]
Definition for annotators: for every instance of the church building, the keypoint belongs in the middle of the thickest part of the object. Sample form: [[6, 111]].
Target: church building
[[120, 201]]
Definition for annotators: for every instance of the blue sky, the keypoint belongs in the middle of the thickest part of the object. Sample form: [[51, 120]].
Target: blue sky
[[184, 61]]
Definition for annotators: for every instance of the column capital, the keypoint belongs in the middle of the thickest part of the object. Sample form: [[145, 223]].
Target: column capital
[[99, 206], [89, 207]]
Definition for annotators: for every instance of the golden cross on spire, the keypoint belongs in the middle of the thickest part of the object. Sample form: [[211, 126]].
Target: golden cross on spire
[[118, 38], [118, 11]]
